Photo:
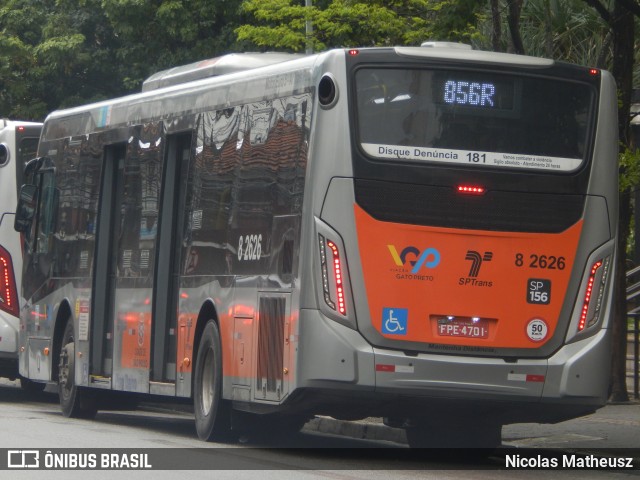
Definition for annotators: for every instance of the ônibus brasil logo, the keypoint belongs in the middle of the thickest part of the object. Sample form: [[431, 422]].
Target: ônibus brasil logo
[[428, 258]]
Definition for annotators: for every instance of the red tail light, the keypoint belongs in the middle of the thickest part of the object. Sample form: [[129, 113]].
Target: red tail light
[[337, 276], [471, 189], [8, 293], [332, 276], [594, 294]]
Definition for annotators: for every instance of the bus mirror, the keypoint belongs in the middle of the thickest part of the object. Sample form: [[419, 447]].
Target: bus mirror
[[4, 155], [26, 208], [327, 91]]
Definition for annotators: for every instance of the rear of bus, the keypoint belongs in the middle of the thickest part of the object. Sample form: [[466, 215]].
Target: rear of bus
[[18, 144], [465, 240]]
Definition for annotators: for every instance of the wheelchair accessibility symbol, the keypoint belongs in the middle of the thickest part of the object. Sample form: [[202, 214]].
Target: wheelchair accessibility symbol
[[394, 320]]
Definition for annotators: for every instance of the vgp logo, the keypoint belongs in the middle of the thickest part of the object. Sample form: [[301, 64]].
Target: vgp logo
[[476, 259], [23, 459], [428, 258]]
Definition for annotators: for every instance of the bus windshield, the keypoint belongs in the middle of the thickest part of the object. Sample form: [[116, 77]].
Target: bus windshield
[[458, 116]]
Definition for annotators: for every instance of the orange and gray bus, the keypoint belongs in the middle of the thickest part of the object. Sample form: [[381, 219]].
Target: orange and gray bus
[[18, 144], [423, 234]]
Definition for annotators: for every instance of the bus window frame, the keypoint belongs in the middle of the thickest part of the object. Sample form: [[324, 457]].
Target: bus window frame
[[516, 73]]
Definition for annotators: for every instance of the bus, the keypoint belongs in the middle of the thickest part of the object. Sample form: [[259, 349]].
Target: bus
[[420, 234], [18, 144]]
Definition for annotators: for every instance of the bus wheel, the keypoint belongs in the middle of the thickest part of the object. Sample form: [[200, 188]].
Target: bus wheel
[[74, 401], [211, 411], [475, 433]]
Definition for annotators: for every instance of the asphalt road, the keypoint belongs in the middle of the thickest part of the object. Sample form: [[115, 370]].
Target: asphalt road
[[33, 422]]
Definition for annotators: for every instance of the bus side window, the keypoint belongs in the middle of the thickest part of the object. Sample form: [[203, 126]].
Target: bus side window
[[48, 207], [50, 198]]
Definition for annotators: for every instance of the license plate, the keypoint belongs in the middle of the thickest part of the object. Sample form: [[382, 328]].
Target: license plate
[[463, 328]]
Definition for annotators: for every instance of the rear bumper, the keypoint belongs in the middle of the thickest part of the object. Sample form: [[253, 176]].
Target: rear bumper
[[333, 358]]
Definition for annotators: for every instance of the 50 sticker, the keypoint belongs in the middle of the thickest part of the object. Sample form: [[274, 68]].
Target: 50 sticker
[[249, 247], [545, 262]]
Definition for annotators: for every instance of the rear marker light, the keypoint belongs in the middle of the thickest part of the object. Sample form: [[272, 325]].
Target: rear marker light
[[8, 296], [354, 52], [385, 368], [5, 282], [471, 190], [390, 368], [525, 377], [332, 276], [595, 287]]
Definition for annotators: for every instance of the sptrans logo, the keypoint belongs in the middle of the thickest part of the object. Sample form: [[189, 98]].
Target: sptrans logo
[[418, 261], [477, 259]]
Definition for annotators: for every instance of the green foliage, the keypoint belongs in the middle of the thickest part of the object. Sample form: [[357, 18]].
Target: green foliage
[[155, 35], [59, 53], [281, 24], [567, 30], [629, 168]]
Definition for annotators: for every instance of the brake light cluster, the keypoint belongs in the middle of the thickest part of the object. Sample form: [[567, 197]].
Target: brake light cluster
[[332, 275], [471, 189], [594, 294], [8, 294]]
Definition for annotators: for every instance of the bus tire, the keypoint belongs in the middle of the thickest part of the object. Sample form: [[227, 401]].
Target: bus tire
[[74, 401], [212, 413]]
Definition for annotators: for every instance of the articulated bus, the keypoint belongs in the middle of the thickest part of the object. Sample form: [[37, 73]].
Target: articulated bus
[[422, 234], [18, 144]]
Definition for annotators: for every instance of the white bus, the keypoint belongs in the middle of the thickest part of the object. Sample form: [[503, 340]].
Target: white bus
[[423, 234], [18, 144]]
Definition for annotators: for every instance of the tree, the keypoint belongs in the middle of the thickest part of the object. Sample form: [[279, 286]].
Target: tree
[[621, 21], [616, 19], [20, 25], [280, 24], [56, 53], [61, 53], [155, 35], [77, 45]]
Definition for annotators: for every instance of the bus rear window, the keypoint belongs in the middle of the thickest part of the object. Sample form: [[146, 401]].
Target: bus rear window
[[457, 116]]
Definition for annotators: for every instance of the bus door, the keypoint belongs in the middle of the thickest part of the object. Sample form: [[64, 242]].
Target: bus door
[[106, 265], [177, 150], [128, 237]]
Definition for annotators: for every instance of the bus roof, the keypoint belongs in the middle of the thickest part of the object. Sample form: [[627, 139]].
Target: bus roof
[[188, 87], [5, 122], [231, 63]]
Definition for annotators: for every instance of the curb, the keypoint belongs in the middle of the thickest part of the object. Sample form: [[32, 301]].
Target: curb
[[363, 430]]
